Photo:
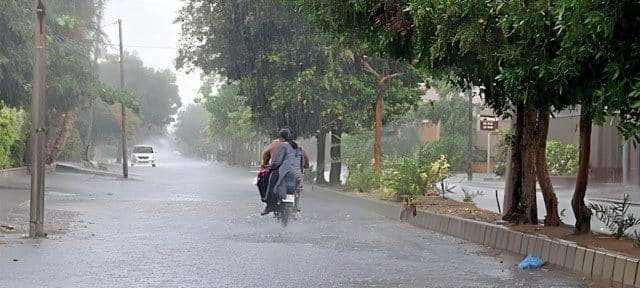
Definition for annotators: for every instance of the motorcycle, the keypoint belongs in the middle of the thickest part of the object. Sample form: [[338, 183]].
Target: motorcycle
[[284, 208]]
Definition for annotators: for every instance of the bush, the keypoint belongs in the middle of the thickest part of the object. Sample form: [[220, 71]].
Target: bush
[[453, 148], [357, 149], [562, 159], [405, 176], [615, 216], [73, 148], [11, 128], [413, 175], [502, 151], [20, 145], [361, 178]]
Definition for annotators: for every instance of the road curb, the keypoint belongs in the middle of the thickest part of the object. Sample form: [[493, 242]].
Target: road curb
[[20, 171], [605, 266], [74, 169]]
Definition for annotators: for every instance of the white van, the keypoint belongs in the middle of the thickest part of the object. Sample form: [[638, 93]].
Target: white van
[[143, 154]]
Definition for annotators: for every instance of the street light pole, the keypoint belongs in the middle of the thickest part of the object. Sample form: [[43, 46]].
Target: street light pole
[[38, 104], [125, 167], [470, 134]]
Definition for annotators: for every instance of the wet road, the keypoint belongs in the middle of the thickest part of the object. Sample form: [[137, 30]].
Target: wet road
[[189, 224]]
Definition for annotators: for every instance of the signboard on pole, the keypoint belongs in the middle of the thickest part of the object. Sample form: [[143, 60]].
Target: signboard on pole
[[489, 124]]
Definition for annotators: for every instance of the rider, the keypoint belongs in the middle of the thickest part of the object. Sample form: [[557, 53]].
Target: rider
[[290, 160]]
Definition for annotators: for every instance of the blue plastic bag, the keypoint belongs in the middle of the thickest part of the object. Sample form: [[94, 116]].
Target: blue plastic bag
[[531, 262]]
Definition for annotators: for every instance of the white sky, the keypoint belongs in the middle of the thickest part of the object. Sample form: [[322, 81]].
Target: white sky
[[149, 23]]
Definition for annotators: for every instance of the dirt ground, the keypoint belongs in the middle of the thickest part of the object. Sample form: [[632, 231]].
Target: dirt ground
[[592, 240], [440, 205]]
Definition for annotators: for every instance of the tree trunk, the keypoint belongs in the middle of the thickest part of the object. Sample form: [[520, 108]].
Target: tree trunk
[[88, 144], [377, 145], [550, 200], [67, 123], [512, 202], [320, 161], [55, 125], [580, 210], [336, 158], [529, 168]]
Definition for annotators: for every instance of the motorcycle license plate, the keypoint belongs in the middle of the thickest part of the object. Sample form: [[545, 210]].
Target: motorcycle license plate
[[289, 199]]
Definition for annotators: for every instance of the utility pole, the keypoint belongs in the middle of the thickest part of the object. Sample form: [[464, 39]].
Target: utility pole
[[125, 167], [38, 131]]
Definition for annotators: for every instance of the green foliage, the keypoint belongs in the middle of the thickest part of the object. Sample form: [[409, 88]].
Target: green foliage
[[16, 38], [73, 148], [405, 176], [230, 117], [153, 93], [452, 112], [291, 73], [615, 216], [231, 126], [362, 178], [20, 145], [357, 150], [413, 175], [469, 196], [562, 160], [502, 152], [11, 128], [113, 96], [453, 147]]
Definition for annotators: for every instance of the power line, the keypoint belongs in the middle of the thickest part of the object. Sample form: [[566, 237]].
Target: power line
[[147, 47]]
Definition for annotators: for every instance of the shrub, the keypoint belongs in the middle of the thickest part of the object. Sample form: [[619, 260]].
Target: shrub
[[469, 196], [357, 149], [73, 148], [413, 175], [562, 160], [11, 127], [502, 151], [615, 216], [361, 178], [405, 176], [454, 149]]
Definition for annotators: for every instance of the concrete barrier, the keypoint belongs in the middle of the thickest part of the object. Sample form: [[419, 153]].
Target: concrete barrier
[[602, 266]]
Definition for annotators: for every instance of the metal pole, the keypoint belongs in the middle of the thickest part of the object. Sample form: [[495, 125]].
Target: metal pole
[[470, 135], [625, 162], [38, 135], [489, 152], [125, 167]]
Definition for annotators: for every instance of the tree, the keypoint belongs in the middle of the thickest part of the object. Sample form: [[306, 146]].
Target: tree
[[156, 91], [291, 73], [599, 61], [70, 68], [231, 123], [15, 57], [190, 131]]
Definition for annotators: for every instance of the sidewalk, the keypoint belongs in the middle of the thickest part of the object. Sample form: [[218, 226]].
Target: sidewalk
[[595, 193], [14, 191]]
